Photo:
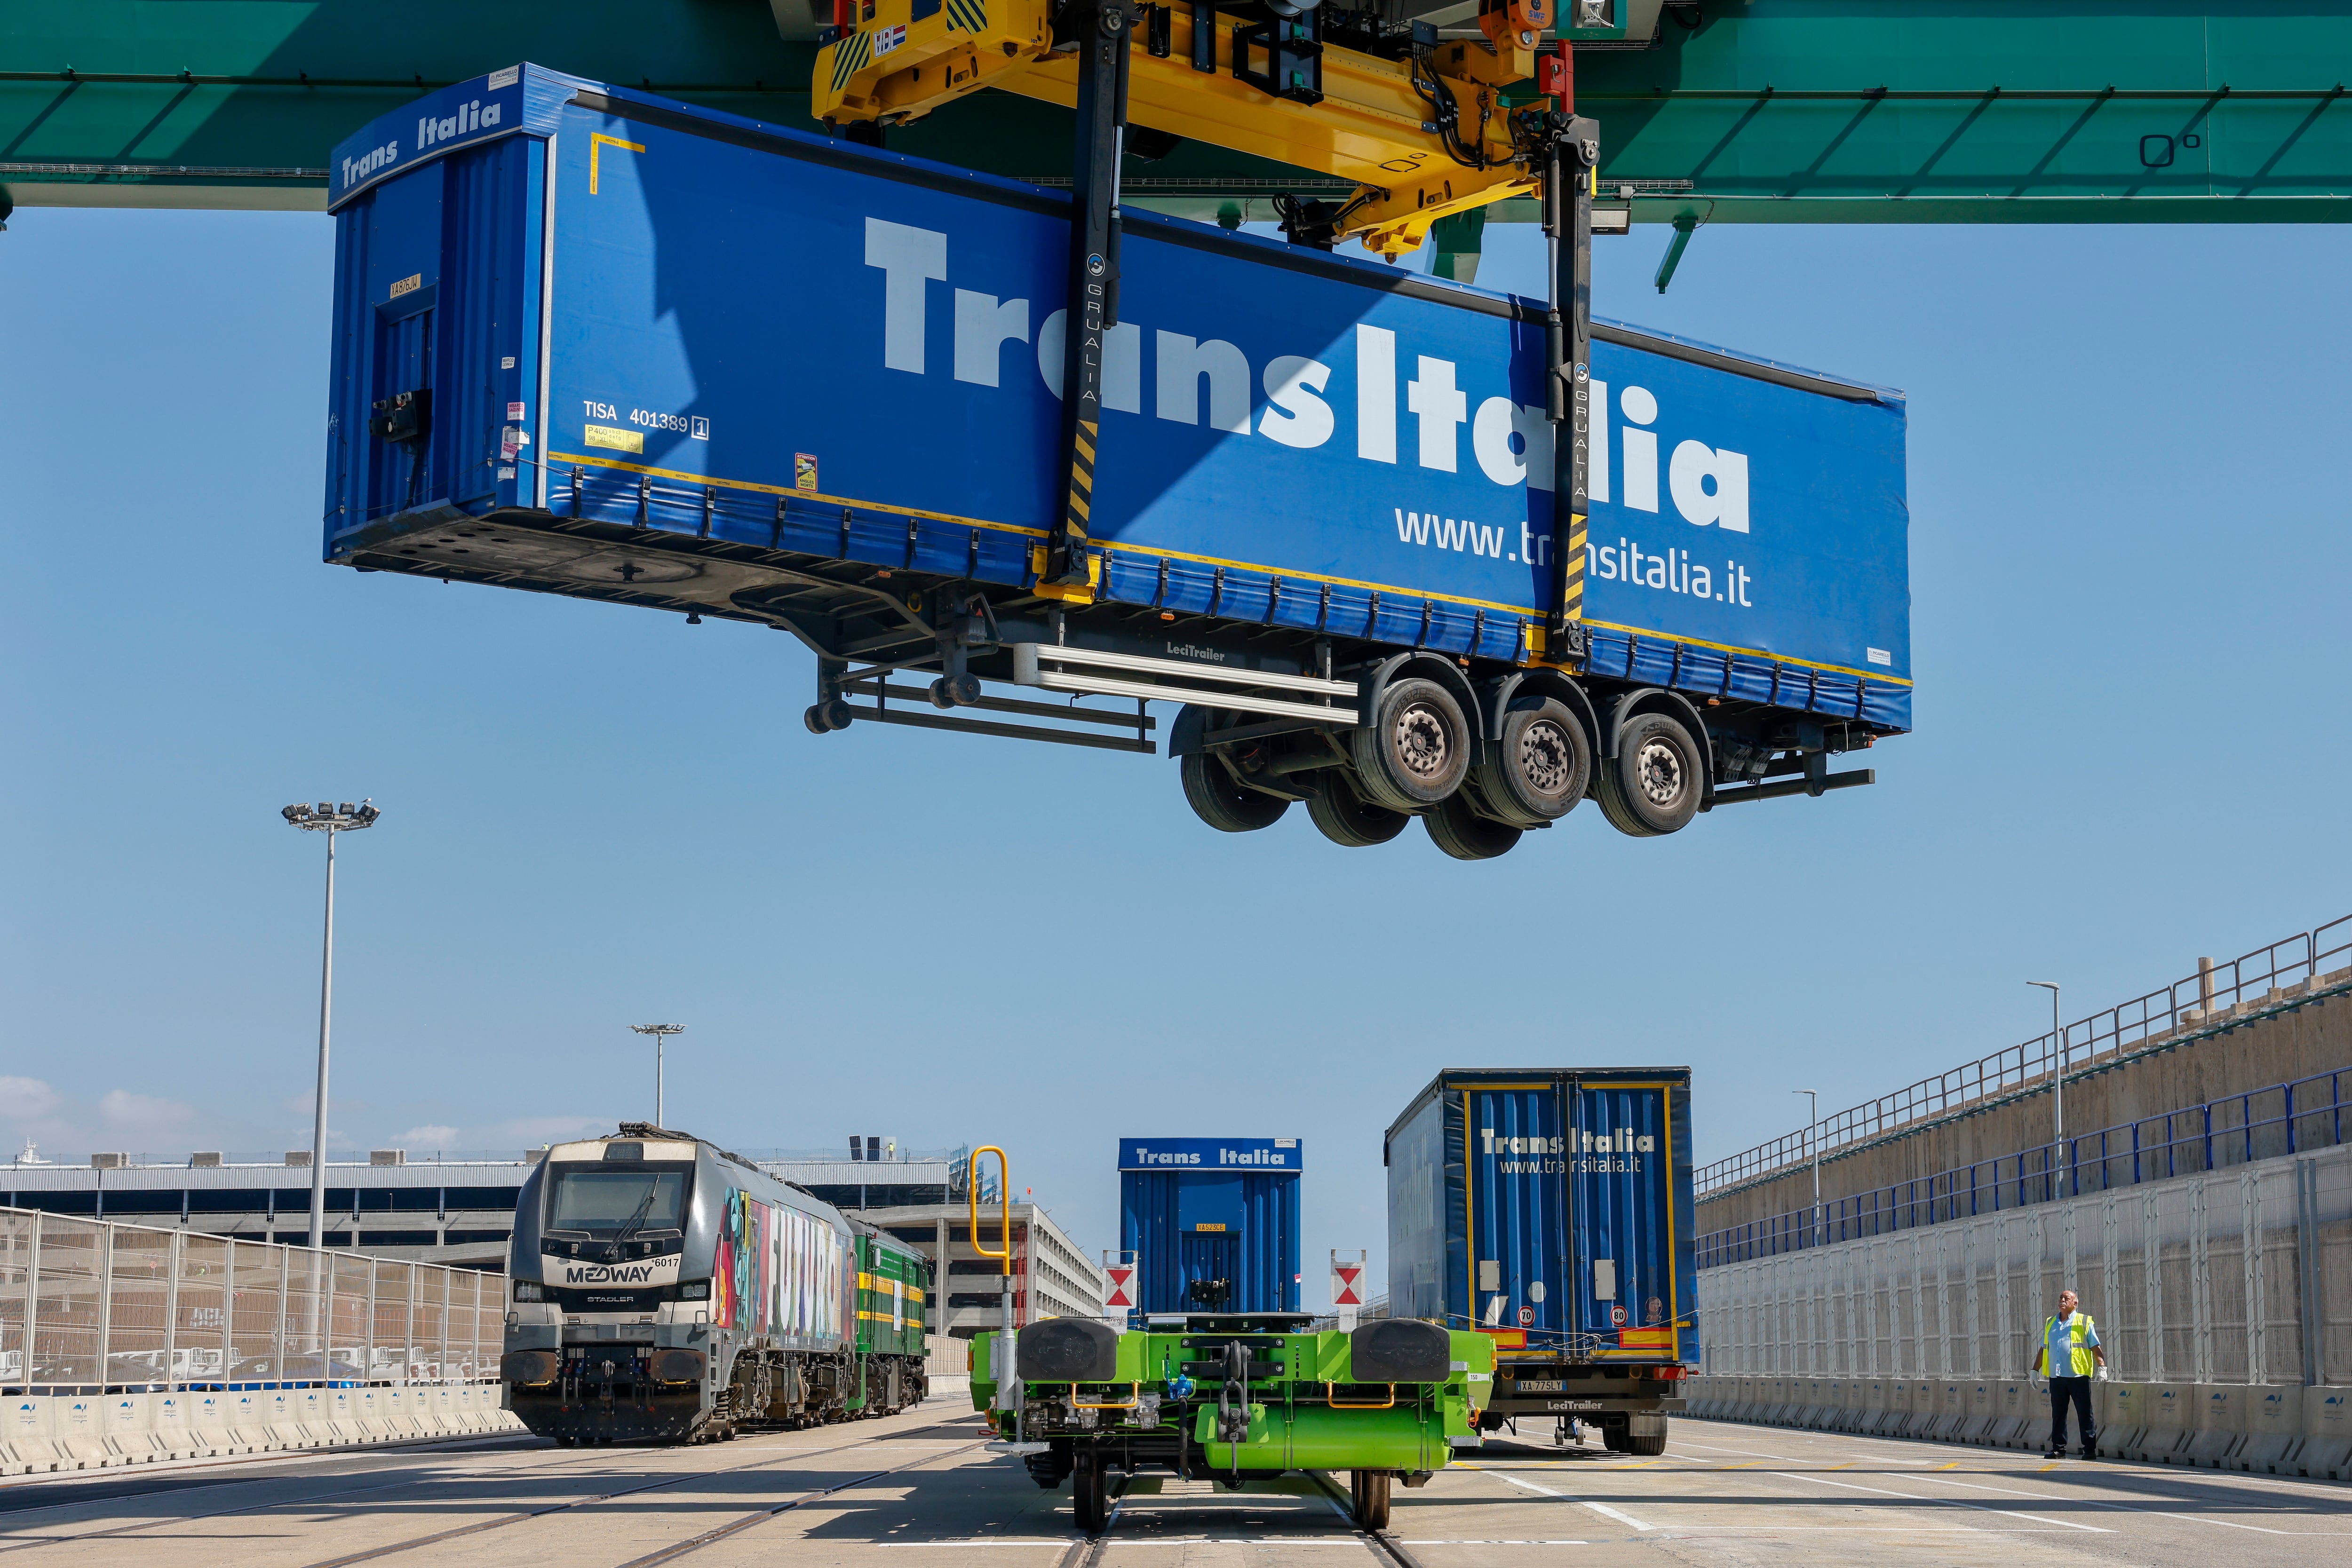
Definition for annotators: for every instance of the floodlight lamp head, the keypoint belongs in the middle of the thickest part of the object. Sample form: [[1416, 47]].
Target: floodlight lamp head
[[327, 817]]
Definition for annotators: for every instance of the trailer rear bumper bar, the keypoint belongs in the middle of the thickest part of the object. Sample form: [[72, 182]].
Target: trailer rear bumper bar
[[1096, 672]]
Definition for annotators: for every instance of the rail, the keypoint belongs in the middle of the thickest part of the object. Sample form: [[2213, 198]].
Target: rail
[[92, 1306], [2310, 1113], [2253, 979]]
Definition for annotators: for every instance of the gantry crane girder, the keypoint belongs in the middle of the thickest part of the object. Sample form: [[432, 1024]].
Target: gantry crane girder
[[1725, 110]]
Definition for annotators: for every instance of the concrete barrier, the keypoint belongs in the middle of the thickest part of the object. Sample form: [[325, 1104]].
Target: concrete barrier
[[2326, 1447], [2273, 1426], [2221, 1426], [2017, 1409], [41, 1434]]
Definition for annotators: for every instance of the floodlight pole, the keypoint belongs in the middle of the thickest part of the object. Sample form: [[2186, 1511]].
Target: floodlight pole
[[326, 1016], [661, 1033], [2057, 1078], [1813, 1138], [330, 820]]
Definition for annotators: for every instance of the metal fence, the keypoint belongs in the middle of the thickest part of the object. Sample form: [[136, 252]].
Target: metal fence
[[2253, 981], [2242, 1276], [2284, 1119], [90, 1306]]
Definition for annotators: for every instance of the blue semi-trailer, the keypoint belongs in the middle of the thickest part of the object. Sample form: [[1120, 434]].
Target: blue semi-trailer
[[1211, 1224], [1551, 1208], [594, 342]]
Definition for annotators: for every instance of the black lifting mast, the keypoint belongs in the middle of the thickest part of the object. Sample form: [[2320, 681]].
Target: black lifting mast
[[1099, 29], [1572, 151]]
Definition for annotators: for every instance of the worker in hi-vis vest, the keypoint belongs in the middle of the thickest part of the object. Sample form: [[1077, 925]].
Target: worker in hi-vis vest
[[2069, 1355]]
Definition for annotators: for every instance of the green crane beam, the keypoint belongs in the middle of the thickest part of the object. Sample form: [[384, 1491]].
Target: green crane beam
[[1774, 110]]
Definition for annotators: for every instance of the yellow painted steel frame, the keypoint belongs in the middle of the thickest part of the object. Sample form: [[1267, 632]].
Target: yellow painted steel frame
[[1368, 127], [892, 67]]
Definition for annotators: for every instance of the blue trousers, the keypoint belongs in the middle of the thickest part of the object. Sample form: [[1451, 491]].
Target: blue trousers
[[2076, 1390]]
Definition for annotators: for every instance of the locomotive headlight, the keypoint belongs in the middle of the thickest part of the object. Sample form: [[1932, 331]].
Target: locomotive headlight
[[530, 1290], [694, 1290]]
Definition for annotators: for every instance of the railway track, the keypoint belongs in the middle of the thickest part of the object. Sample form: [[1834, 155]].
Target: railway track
[[1383, 1544], [551, 1465]]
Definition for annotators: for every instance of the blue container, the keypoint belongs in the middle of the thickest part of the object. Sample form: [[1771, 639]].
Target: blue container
[[1210, 1223], [737, 338], [1552, 1206]]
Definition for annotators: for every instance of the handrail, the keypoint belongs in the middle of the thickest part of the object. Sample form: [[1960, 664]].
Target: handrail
[[1331, 1398], [1134, 1395], [1004, 1191], [2253, 979], [2089, 1162]]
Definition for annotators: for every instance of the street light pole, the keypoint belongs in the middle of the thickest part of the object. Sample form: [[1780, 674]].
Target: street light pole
[[1813, 1141], [2057, 1078], [661, 1033], [329, 819]]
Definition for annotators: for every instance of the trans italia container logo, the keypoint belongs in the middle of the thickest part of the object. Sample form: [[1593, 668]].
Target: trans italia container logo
[[1597, 1153], [1303, 401]]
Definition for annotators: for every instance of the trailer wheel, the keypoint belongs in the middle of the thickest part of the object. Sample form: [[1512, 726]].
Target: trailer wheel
[[1652, 785], [1369, 1491], [1223, 804], [1416, 750], [1464, 834], [1345, 818], [1090, 1494], [1540, 767], [1649, 1445]]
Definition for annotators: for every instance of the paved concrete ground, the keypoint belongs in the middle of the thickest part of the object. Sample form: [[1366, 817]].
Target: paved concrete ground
[[918, 1489]]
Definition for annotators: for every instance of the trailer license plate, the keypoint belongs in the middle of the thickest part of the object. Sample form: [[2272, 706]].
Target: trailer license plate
[[1538, 1386]]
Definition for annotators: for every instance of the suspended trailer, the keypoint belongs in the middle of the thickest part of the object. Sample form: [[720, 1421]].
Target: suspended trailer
[[594, 342]]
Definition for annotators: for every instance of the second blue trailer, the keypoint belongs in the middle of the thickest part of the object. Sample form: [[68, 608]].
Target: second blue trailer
[[1211, 1224], [594, 342], [1553, 1209]]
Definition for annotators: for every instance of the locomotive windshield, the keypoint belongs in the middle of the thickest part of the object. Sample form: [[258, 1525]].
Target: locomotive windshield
[[603, 1202]]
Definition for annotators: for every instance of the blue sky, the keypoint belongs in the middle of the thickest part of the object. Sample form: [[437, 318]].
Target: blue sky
[[2129, 557]]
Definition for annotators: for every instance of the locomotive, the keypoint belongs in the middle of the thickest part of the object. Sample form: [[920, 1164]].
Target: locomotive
[[664, 1290]]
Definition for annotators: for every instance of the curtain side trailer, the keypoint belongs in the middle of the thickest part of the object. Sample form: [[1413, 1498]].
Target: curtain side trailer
[[1551, 1209], [594, 342]]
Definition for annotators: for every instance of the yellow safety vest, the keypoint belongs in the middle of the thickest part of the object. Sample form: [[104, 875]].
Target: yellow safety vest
[[2083, 1363]]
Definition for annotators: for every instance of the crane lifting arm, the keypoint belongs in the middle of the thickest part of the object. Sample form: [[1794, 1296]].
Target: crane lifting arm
[[1419, 125]]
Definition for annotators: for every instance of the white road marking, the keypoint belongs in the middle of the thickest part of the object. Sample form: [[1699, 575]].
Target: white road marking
[[1602, 1507], [1915, 1497]]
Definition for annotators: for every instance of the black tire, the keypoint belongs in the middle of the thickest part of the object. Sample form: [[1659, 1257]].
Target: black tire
[[1540, 767], [1464, 834], [1655, 781], [1416, 750], [1615, 1438], [1345, 818], [1368, 1490], [1090, 1495], [1645, 1444], [1223, 804]]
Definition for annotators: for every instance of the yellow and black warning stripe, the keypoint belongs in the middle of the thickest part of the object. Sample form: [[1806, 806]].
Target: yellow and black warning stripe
[[1571, 587], [1075, 517], [849, 56], [969, 15]]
